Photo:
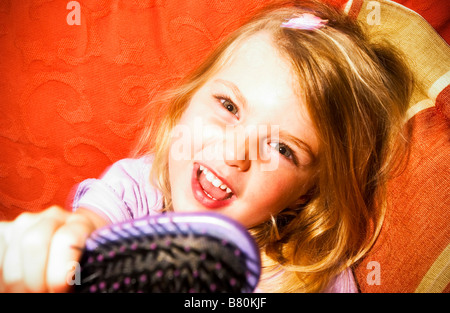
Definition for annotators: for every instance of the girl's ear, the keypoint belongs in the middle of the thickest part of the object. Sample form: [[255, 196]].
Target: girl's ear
[[302, 200]]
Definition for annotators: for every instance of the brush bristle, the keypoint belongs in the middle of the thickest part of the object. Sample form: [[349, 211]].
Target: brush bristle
[[172, 257]]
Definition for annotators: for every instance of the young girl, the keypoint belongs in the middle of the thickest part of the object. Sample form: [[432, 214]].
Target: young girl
[[289, 127]]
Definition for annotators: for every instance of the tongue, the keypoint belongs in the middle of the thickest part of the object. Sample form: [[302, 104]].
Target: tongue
[[214, 192]]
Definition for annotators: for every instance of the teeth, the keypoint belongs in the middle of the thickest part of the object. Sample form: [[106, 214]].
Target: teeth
[[214, 180], [210, 177]]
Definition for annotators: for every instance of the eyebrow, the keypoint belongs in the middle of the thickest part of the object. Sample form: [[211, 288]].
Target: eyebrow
[[237, 93]]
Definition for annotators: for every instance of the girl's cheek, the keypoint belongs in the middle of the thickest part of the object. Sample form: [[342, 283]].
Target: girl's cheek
[[195, 137], [282, 187], [180, 146]]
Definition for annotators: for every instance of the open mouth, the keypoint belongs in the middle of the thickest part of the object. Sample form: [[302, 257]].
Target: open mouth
[[209, 189]]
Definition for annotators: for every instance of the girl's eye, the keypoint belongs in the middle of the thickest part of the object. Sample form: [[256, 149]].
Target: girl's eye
[[229, 106], [282, 149]]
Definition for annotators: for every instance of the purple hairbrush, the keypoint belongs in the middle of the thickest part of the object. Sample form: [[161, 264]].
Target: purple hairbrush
[[172, 252]]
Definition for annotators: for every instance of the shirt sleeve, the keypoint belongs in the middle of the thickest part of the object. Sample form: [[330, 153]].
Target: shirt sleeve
[[343, 283], [123, 192]]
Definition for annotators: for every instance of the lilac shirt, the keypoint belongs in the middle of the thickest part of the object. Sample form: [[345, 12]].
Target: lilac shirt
[[124, 192]]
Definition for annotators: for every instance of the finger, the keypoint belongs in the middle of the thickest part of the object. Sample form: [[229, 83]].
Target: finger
[[13, 228], [3, 226], [12, 275], [65, 251], [35, 247]]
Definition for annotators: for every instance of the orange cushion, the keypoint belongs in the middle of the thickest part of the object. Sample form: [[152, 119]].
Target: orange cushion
[[416, 229], [412, 253]]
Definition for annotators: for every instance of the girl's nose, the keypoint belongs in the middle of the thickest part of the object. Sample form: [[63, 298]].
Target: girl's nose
[[237, 153], [241, 165]]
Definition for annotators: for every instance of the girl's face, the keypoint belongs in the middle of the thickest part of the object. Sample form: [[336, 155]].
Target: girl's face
[[245, 146]]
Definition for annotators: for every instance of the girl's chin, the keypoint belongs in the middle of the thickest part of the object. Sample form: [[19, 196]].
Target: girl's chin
[[188, 208], [193, 206], [227, 211]]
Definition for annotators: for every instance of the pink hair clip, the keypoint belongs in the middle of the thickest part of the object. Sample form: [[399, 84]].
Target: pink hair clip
[[305, 21]]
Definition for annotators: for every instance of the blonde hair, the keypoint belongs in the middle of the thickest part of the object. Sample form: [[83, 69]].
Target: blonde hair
[[357, 93]]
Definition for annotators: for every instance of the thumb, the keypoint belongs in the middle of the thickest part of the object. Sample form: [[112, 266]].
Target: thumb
[[65, 252]]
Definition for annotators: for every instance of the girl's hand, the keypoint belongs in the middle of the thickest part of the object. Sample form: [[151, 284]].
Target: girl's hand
[[38, 250]]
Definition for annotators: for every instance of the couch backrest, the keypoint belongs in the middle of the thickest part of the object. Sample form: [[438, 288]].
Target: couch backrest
[[412, 253]]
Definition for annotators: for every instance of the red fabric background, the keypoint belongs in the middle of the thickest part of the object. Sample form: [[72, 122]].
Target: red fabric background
[[70, 94]]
